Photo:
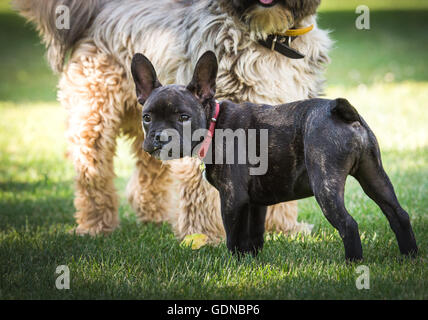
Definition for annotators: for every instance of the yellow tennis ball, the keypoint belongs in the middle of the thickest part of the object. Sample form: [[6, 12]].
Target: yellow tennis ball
[[196, 241]]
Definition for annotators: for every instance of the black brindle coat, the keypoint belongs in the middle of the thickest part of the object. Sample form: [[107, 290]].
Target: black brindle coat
[[313, 145]]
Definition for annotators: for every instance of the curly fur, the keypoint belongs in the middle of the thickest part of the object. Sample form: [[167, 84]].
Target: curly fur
[[97, 90]]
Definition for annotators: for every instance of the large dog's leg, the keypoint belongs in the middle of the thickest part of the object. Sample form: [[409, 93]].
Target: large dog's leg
[[151, 190], [283, 218], [90, 91], [199, 205]]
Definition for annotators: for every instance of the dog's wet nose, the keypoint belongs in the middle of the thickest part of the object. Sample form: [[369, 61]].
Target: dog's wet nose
[[160, 138]]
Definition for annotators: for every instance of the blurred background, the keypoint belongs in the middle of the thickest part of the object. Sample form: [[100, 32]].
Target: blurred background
[[383, 71]]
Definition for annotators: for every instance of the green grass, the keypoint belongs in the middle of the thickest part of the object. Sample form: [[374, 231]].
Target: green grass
[[391, 5], [393, 50], [145, 261]]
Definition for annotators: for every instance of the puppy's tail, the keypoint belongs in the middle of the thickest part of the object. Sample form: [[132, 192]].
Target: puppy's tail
[[344, 110], [61, 23]]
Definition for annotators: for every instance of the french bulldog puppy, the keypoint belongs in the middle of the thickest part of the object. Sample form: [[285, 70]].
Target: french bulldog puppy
[[310, 147]]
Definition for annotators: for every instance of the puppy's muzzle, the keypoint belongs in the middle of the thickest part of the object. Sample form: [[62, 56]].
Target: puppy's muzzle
[[160, 139]]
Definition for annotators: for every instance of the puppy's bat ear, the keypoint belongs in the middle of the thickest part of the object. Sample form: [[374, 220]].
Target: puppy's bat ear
[[144, 75], [203, 84]]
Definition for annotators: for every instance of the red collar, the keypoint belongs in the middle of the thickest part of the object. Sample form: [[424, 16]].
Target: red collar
[[207, 140]]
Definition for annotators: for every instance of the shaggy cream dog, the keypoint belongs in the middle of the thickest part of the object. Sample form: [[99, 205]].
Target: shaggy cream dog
[[97, 91]]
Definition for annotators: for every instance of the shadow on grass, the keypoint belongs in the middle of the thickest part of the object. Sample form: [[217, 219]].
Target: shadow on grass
[[146, 262], [35, 204], [42, 203]]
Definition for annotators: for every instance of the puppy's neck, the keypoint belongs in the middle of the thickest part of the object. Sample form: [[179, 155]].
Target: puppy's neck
[[210, 107]]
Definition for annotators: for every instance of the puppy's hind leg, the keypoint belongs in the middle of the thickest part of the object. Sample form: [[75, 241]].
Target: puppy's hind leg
[[376, 184], [150, 190], [329, 193]]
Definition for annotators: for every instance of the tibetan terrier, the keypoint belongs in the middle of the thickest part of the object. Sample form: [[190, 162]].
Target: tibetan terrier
[[269, 51]]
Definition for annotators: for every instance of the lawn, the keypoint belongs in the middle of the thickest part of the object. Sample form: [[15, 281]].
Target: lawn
[[382, 71]]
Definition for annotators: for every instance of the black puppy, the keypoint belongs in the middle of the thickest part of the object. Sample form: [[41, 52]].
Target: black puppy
[[312, 146]]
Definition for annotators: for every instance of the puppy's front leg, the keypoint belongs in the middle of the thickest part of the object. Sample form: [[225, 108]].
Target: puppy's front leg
[[235, 214], [256, 226]]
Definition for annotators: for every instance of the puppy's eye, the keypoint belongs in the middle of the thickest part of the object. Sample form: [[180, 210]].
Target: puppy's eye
[[184, 117], [147, 118]]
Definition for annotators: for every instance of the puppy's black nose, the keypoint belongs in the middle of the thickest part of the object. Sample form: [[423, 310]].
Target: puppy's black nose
[[160, 139]]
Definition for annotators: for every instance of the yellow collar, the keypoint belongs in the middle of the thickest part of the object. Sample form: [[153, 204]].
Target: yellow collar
[[298, 32]]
